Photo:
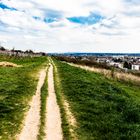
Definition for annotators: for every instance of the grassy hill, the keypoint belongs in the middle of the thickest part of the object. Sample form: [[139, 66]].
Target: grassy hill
[[105, 109]]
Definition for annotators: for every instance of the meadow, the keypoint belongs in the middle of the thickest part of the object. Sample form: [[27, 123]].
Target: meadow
[[17, 86], [104, 108]]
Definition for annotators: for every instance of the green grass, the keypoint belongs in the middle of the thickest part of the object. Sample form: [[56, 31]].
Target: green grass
[[105, 109], [44, 93], [59, 95], [17, 86]]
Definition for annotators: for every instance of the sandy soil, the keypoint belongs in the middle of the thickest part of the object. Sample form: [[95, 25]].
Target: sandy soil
[[8, 64], [53, 121], [32, 119], [118, 75], [71, 120]]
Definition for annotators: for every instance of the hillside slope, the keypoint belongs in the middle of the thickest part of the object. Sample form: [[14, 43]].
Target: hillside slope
[[104, 108]]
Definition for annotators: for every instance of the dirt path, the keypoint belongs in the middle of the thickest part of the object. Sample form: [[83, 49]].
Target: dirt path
[[53, 121], [69, 115], [32, 120]]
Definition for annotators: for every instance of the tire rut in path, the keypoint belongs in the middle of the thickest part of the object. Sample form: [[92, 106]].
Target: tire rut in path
[[32, 120], [53, 117]]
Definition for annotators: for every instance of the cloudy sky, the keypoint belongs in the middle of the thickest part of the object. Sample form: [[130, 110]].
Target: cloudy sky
[[71, 25]]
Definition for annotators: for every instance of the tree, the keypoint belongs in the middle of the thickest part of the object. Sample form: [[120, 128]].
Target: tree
[[2, 48], [29, 51], [127, 65]]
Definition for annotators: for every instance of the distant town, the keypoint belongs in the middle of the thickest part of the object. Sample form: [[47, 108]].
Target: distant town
[[20, 53], [122, 61]]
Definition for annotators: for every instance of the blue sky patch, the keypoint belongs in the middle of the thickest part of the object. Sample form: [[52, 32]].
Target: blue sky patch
[[52, 16], [2, 24], [36, 18], [89, 20], [133, 1], [50, 20], [49, 16], [3, 27], [3, 6], [46, 20]]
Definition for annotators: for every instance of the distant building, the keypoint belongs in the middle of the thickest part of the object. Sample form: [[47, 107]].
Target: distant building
[[101, 60], [84, 58], [135, 66], [117, 65], [21, 53]]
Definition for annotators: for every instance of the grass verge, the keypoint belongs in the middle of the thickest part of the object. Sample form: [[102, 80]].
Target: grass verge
[[44, 93], [105, 109], [17, 86], [60, 101]]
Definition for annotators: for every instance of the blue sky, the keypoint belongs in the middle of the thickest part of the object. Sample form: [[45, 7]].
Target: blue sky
[[71, 26], [93, 18], [3, 6]]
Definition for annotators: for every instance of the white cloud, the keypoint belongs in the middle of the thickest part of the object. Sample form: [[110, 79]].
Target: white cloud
[[119, 31]]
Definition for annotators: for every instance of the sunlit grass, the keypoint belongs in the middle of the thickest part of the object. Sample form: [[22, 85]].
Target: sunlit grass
[[17, 86], [104, 108]]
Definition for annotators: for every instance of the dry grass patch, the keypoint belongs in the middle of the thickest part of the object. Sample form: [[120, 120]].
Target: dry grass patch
[[108, 73], [8, 64]]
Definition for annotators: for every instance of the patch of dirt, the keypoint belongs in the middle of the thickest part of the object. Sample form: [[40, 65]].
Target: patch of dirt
[[71, 119], [8, 64], [53, 117]]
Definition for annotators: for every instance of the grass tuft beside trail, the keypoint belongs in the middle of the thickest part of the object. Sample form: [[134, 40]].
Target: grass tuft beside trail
[[17, 86], [105, 109], [44, 93]]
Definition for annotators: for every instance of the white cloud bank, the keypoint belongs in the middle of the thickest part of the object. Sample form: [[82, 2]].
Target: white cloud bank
[[43, 25]]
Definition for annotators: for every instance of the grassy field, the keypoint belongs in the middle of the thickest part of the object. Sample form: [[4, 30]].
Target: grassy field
[[60, 101], [17, 86], [105, 109]]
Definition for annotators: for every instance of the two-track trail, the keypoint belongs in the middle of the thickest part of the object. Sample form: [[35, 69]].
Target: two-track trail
[[53, 121], [32, 119], [53, 128]]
